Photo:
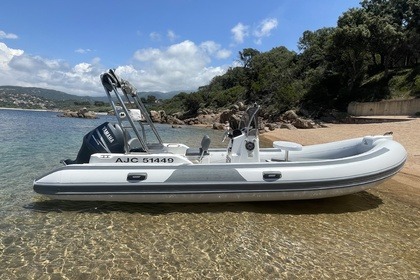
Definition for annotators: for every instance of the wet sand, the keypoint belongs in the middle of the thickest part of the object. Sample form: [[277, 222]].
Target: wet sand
[[405, 186]]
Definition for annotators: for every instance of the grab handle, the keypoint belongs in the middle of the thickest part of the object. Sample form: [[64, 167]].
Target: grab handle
[[271, 175], [136, 177]]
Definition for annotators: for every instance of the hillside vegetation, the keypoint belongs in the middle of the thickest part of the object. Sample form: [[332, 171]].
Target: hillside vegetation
[[372, 54], [47, 99]]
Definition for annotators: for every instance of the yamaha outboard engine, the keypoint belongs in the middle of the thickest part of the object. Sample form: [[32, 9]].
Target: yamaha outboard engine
[[106, 138]]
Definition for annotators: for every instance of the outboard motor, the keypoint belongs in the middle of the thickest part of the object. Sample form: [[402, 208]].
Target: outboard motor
[[106, 138]]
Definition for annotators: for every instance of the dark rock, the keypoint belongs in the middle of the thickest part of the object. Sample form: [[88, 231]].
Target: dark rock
[[241, 106], [218, 126], [163, 116], [288, 126], [304, 124], [234, 108], [174, 120], [231, 118], [155, 116], [290, 115], [271, 126], [82, 113]]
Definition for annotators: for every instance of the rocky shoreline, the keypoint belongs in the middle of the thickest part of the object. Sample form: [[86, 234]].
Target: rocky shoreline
[[231, 117], [82, 113]]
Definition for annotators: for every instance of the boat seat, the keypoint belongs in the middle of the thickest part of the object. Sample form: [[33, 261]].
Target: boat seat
[[202, 151], [286, 147]]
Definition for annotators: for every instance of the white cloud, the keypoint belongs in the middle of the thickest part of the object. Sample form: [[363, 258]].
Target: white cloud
[[6, 54], [7, 76], [154, 36], [147, 54], [264, 29], [171, 35], [214, 49], [223, 54], [82, 51], [210, 47], [20, 69], [82, 68], [4, 35], [240, 31], [182, 66]]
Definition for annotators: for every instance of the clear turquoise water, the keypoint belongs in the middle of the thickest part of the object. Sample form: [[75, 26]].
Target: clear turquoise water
[[362, 236]]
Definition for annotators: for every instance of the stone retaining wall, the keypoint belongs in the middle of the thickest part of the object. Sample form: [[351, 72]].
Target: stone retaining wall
[[385, 108]]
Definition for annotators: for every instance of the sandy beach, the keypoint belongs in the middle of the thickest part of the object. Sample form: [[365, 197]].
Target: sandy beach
[[405, 186]]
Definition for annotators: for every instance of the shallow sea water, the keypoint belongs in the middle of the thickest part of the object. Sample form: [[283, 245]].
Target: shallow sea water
[[361, 236]]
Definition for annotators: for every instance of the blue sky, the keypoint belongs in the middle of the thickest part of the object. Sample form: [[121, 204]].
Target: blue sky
[[157, 45]]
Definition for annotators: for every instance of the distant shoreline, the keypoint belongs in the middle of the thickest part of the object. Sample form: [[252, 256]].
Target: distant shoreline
[[23, 109], [45, 110]]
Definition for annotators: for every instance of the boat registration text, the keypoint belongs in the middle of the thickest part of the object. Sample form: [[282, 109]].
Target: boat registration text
[[145, 160]]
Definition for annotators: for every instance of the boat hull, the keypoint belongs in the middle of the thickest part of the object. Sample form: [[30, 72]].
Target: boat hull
[[213, 196], [228, 182]]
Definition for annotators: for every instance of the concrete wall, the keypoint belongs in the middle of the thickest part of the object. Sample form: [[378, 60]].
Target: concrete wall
[[383, 108]]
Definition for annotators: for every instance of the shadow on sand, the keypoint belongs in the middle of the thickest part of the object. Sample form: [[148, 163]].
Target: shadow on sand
[[357, 202]]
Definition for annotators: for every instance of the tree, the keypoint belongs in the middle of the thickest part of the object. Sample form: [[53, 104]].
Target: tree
[[314, 59], [350, 41], [272, 79], [99, 103], [246, 56], [314, 45], [151, 99], [192, 102], [386, 36], [395, 29], [320, 79]]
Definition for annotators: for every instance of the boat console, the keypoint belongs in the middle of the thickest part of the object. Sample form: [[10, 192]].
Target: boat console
[[244, 145]]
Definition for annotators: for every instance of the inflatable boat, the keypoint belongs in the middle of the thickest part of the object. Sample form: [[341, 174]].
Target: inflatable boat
[[128, 161]]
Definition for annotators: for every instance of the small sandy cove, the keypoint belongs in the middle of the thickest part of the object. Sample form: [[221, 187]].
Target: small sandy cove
[[405, 186]]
